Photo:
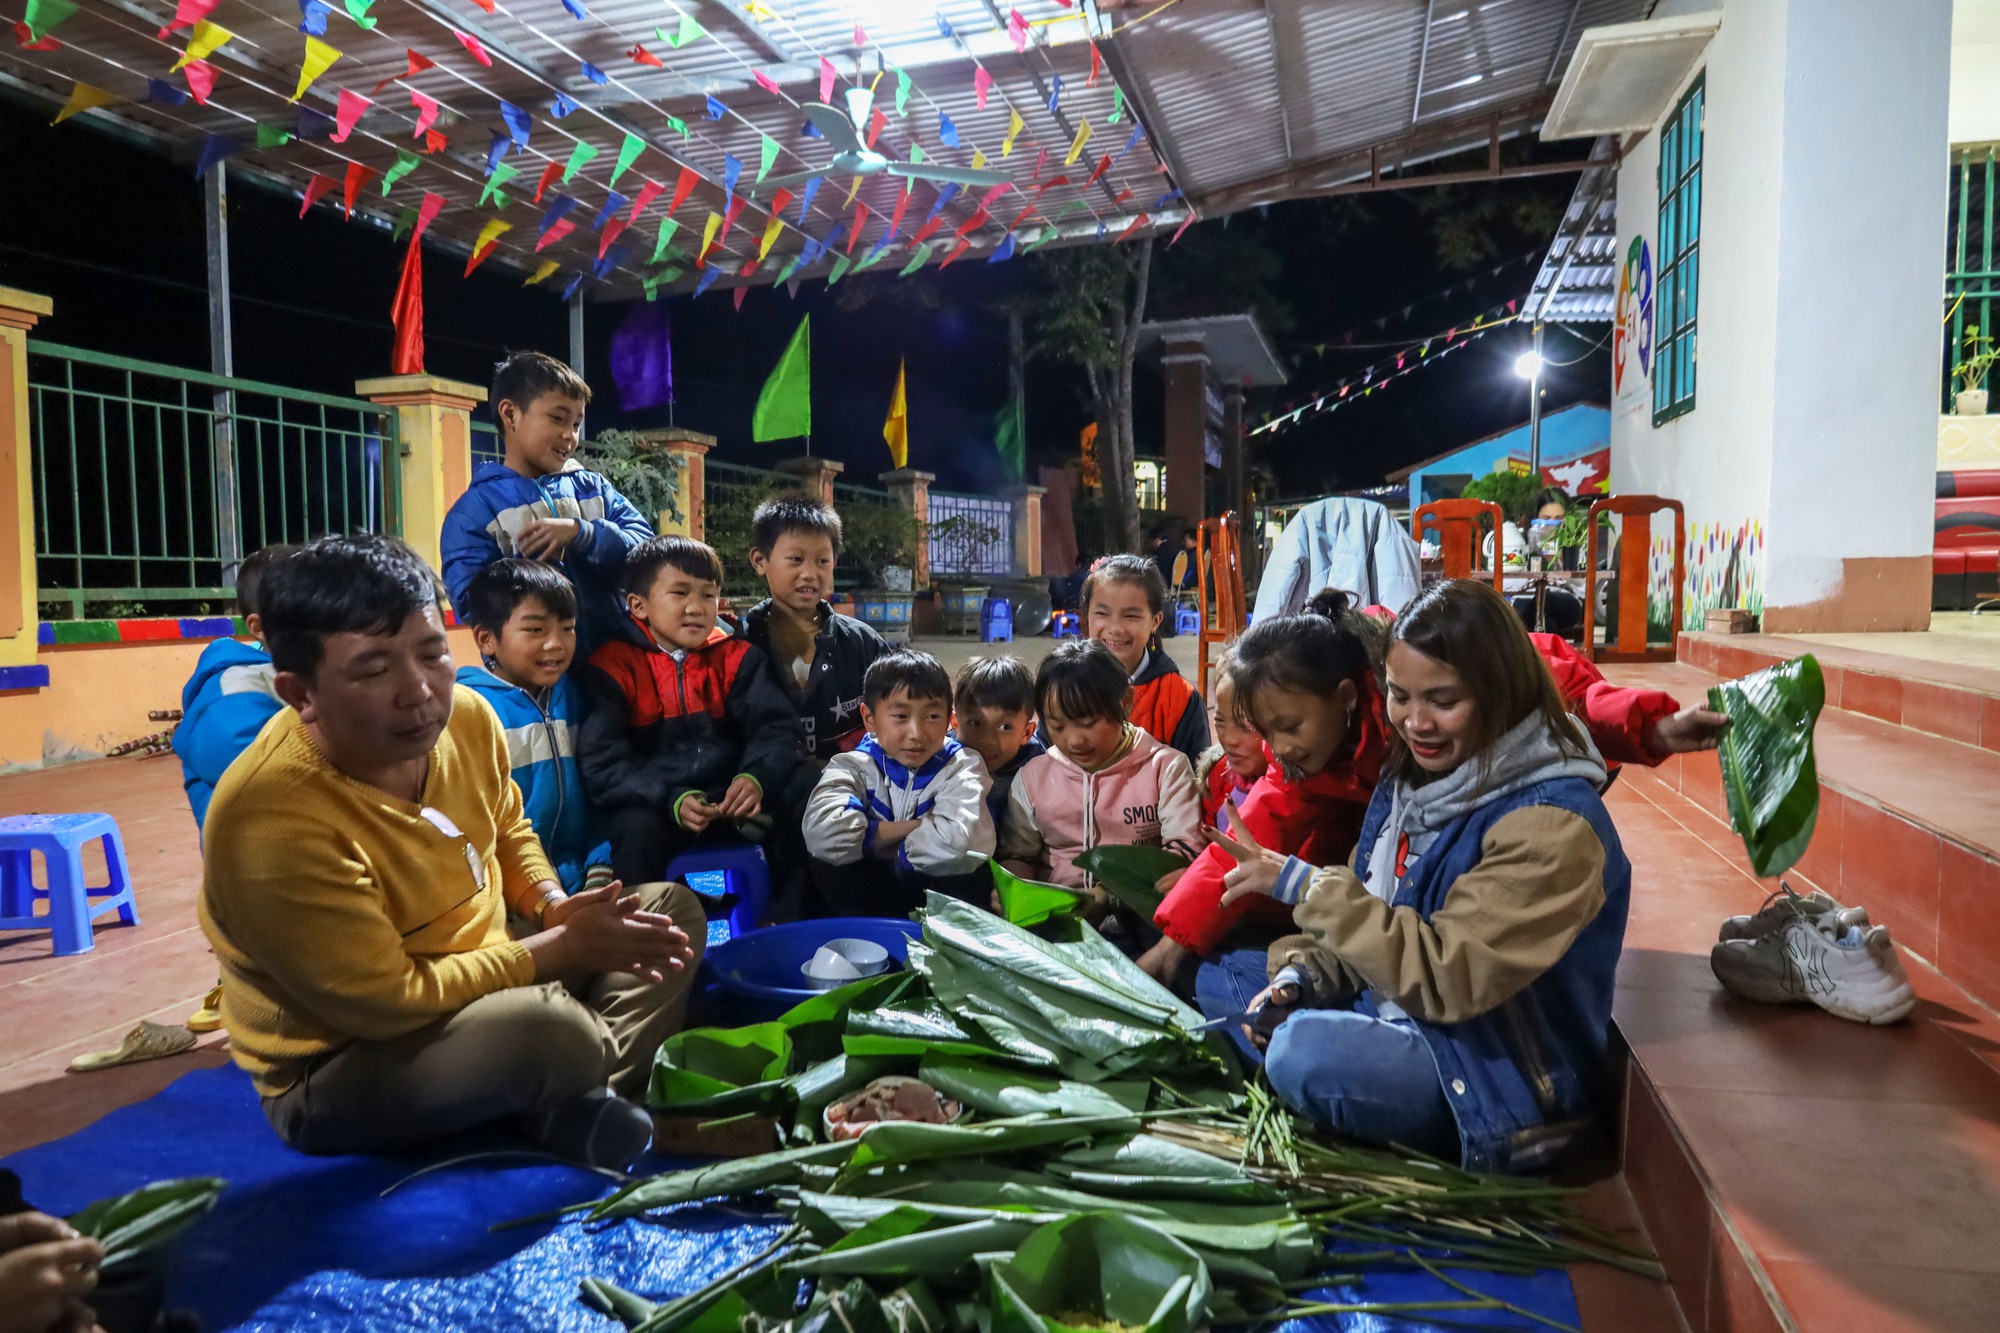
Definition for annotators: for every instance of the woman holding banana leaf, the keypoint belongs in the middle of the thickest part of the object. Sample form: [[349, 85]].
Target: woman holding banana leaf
[[1452, 985]]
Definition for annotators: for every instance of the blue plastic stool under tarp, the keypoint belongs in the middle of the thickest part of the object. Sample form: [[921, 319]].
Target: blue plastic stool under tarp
[[73, 904], [756, 977], [308, 1242], [728, 868]]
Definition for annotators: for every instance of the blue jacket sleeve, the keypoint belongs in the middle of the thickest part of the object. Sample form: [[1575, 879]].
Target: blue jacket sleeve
[[612, 537], [464, 545], [1191, 732], [223, 731]]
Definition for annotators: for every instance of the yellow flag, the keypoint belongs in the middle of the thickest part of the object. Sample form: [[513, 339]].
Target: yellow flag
[[548, 266], [203, 40], [1014, 124], [896, 427], [1076, 148], [490, 233], [771, 230], [708, 230], [978, 158], [83, 97], [318, 57], [852, 190]]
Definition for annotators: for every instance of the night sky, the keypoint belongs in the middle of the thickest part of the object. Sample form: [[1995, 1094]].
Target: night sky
[[115, 237]]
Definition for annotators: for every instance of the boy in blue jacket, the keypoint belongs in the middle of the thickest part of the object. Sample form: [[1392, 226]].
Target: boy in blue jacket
[[229, 698], [523, 617], [541, 503]]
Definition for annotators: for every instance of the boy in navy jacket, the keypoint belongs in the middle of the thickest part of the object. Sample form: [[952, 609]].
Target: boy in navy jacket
[[541, 503], [523, 617]]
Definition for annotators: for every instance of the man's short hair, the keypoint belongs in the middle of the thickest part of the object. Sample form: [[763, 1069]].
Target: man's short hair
[[525, 376], [251, 573], [922, 675], [1003, 682], [695, 559], [495, 592], [363, 583], [794, 511]]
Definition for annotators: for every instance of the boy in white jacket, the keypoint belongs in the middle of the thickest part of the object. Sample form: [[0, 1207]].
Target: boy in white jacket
[[905, 810]]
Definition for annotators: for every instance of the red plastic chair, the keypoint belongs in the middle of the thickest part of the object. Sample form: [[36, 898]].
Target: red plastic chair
[[1219, 548], [1457, 524], [1635, 566]]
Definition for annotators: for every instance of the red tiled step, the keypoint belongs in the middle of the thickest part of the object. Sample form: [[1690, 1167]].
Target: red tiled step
[[1795, 1171], [1954, 700]]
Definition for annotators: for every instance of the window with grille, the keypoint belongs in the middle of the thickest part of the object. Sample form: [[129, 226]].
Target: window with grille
[[1679, 284]]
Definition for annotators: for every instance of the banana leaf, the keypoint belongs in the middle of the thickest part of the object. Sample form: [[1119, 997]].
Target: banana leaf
[[131, 1225], [857, 1308], [1056, 1029], [1768, 772], [1027, 902], [1098, 1271], [721, 1068], [958, 927], [911, 1243], [1147, 1167], [994, 1091], [1129, 873], [736, 1176], [754, 1291], [816, 1024], [898, 1141], [908, 1028]]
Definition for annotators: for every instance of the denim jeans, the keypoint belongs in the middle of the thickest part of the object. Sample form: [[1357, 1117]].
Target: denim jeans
[[1224, 985], [1369, 1079]]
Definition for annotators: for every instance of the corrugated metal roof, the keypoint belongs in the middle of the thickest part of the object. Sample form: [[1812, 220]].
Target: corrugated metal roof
[[1578, 280], [1262, 94]]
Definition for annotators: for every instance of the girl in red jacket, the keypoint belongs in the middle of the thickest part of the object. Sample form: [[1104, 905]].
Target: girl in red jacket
[[1124, 600], [1309, 683]]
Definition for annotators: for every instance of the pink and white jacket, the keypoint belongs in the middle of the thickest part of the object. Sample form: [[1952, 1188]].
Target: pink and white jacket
[[1145, 797]]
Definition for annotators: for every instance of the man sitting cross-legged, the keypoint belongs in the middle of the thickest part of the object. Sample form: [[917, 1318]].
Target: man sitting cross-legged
[[362, 856]]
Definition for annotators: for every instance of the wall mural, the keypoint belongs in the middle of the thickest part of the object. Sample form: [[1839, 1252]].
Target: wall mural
[[1725, 568]]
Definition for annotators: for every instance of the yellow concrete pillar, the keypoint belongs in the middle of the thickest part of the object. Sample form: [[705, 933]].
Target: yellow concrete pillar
[[912, 489], [19, 620], [434, 424], [1025, 504], [816, 475], [689, 449]]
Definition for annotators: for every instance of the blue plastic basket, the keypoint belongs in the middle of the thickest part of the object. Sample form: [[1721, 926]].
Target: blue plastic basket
[[755, 977]]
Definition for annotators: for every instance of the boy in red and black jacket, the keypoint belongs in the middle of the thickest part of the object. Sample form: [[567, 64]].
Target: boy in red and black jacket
[[686, 731]]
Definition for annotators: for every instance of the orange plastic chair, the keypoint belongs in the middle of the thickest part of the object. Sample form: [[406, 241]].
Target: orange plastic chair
[[1457, 524], [1635, 565], [1219, 547]]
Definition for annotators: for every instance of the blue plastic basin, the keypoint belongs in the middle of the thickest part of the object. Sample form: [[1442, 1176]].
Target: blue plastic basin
[[755, 977]]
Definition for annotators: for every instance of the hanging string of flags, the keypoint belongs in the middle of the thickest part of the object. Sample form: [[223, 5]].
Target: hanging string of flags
[[1386, 371], [1319, 347]]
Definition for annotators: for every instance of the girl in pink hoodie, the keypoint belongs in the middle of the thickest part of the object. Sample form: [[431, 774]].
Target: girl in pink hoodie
[[1102, 781]]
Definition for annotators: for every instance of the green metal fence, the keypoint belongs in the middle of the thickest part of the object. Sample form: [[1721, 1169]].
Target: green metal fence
[[730, 496], [486, 446], [1970, 285], [151, 481]]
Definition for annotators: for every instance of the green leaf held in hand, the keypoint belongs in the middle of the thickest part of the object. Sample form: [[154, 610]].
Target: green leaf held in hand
[[1768, 773], [130, 1225], [1027, 902]]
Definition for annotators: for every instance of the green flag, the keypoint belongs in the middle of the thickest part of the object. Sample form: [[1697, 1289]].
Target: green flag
[[1009, 441], [784, 408]]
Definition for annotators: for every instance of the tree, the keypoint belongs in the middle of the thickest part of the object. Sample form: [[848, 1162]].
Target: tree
[[1092, 305]]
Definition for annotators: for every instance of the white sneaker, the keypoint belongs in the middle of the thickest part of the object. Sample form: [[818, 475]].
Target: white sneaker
[[1849, 969], [1781, 907]]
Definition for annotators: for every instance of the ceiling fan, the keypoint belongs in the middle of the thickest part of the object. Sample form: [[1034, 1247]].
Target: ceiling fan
[[851, 157]]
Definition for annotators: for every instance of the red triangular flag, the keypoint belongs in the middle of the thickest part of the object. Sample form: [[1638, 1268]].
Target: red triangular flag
[[860, 221], [477, 52], [740, 293], [188, 13], [561, 228], [357, 176], [973, 223], [418, 64], [434, 141], [683, 187], [1041, 160], [827, 75], [479, 256], [1103, 165], [408, 314], [729, 219], [427, 212], [1019, 218], [486, 5], [765, 82], [779, 200], [956, 251], [316, 189], [24, 37], [201, 80], [609, 234], [549, 174], [896, 218], [1137, 223], [647, 194], [644, 57], [931, 224], [877, 122], [1096, 66], [1123, 195]]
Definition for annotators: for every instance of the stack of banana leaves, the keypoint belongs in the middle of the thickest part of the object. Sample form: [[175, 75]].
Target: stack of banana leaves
[[1112, 1170]]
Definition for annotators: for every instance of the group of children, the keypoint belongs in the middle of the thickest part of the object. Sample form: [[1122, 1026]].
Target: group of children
[[639, 726]]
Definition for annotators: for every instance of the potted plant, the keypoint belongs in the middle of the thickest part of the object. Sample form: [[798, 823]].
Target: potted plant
[[960, 537], [883, 541], [1971, 373]]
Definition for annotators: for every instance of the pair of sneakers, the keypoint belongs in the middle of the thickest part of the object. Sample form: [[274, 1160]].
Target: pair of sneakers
[[1811, 950]]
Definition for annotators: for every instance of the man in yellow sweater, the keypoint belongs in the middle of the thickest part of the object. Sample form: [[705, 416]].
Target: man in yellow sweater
[[362, 857]]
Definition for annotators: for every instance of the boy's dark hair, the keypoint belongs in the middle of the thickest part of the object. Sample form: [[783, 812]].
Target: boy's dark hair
[[1311, 652], [1128, 569], [1002, 682], [646, 560], [525, 376], [794, 511], [1189, 534], [1084, 681], [256, 567], [905, 669], [365, 583], [496, 590]]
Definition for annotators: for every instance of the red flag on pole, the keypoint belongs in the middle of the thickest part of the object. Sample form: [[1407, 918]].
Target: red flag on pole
[[408, 313]]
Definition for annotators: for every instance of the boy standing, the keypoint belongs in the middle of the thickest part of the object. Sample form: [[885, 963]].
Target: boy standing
[[994, 698], [685, 732], [541, 503], [905, 810], [523, 617]]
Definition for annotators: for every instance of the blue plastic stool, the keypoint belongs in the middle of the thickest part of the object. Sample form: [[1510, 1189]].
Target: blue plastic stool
[[1064, 626], [738, 868], [72, 904], [1187, 620], [996, 621]]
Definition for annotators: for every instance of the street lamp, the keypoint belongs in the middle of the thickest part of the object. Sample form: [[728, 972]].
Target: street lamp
[[1529, 366]]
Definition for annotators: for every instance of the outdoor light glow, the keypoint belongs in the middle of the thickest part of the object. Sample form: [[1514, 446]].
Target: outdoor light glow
[[1528, 365]]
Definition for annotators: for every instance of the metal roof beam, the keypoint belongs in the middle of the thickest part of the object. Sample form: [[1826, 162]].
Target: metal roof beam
[[1292, 86], [1140, 99], [755, 32]]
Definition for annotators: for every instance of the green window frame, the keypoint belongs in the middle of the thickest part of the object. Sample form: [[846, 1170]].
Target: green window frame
[[1679, 285]]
